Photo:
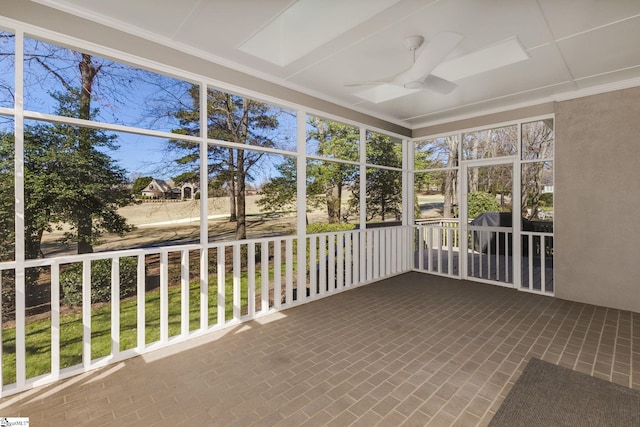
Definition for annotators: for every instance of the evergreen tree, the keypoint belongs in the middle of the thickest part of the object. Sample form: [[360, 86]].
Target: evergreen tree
[[229, 118]]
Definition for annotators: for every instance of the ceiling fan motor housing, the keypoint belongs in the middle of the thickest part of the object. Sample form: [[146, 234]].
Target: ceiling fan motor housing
[[413, 42]]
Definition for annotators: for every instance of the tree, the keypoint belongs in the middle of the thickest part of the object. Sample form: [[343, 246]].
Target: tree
[[327, 180], [384, 186], [78, 75], [280, 192], [67, 182], [229, 118], [140, 184], [7, 198], [537, 143]]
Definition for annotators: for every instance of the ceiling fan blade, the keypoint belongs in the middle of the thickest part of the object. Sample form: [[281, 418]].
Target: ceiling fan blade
[[432, 55], [364, 83], [438, 84]]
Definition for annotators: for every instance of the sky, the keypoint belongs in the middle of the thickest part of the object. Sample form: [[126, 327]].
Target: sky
[[123, 95]]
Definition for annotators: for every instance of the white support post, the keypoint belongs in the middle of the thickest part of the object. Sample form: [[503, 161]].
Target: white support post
[[204, 210], [301, 204], [20, 299]]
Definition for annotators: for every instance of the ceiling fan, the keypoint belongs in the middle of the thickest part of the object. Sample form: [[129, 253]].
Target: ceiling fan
[[419, 76]]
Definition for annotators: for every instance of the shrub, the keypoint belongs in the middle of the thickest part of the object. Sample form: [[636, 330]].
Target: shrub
[[546, 199], [481, 202], [71, 281], [328, 228]]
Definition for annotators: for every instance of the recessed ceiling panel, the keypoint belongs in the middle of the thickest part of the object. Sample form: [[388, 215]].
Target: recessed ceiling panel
[[568, 17], [607, 49], [488, 58], [308, 24]]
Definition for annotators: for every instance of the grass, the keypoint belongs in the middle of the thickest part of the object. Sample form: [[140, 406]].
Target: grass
[[38, 332]]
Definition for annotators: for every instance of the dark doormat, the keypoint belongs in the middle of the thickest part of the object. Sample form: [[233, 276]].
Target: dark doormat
[[550, 395]]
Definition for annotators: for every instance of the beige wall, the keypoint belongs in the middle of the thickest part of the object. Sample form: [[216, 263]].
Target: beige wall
[[597, 199], [597, 194]]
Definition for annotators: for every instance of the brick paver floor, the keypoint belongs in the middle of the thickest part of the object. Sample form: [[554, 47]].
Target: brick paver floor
[[411, 350]]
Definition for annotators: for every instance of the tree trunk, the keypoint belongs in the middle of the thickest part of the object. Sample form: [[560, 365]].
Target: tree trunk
[[233, 216], [241, 224], [333, 204], [451, 181], [88, 72]]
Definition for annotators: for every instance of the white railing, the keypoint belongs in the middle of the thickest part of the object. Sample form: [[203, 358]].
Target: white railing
[[537, 262], [436, 250], [182, 292], [437, 247], [490, 253]]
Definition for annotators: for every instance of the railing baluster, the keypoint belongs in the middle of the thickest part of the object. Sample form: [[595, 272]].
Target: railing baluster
[[355, 247], [204, 288], [331, 276], [236, 282], [421, 231], [222, 280], [251, 279], [140, 304], [115, 306], [531, 256], [379, 253], [313, 267], [450, 251], [277, 273], [340, 260], [348, 257], [55, 321], [373, 265], [289, 271], [543, 264], [86, 314], [439, 249], [184, 293], [322, 263], [430, 249], [264, 276], [164, 296]]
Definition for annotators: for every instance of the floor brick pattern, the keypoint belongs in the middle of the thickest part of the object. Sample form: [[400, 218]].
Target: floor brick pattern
[[412, 350]]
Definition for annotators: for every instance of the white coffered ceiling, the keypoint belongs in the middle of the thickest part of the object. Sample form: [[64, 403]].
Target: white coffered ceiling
[[575, 46]]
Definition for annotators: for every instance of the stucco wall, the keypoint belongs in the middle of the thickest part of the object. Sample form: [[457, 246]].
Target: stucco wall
[[597, 199]]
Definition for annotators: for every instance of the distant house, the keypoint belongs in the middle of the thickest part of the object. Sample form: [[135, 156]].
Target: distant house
[[161, 189]]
